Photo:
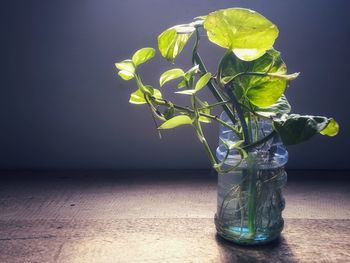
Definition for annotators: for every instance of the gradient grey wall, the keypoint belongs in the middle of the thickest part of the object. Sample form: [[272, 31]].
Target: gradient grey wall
[[62, 105]]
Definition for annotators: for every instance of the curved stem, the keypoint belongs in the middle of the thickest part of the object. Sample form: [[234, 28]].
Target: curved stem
[[261, 141], [239, 114], [163, 102], [200, 133], [213, 89]]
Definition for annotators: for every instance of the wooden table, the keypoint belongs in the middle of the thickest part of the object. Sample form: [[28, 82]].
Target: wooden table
[[164, 216]]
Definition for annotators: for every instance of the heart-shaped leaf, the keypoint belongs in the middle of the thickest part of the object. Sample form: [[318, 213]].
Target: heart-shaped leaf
[[247, 33], [176, 121], [126, 75], [281, 107], [170, 75], [172, 41], [261, 89], [142, 55], [126, 65], [203, 81], [297, 128], [137, 97]]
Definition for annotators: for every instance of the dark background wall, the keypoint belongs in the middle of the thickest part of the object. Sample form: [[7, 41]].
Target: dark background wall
[[62, 106]]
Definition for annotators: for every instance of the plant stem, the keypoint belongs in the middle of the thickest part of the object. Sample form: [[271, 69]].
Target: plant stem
[[239, 114], [200, 133], [251, 161], [261, 141], [213, 89], [251, 173], [163, 102]]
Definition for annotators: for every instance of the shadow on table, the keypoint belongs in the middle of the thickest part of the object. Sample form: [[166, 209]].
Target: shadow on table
[[277, 251]]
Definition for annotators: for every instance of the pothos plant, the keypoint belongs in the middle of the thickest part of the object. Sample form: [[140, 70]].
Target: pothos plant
[[249, 83]]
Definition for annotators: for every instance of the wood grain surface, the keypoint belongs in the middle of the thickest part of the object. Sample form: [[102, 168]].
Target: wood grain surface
[[107, 219]]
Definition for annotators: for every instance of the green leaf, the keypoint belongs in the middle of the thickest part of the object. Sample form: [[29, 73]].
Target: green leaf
[[187, 92], [297, 128], [181, 84], [126, 65], [176, 121], [263, 90], [247, 33], [153, 92], [203, 81], [172, 41], [331, 129], [126, 75], [137, 97], [281, 107], [230, 145], [267, 93], [142, 55], [170, 75]]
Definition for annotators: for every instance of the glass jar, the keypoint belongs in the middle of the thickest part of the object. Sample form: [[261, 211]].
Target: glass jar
[[250, 199]]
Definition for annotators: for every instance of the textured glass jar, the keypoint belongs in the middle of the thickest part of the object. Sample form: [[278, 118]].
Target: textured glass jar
[[250, 199]]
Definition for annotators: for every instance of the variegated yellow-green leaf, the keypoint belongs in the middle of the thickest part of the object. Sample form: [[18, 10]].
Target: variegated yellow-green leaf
[[126, 75], [157, 94], [247, 33], [170, 75], [186, 92], [142, 55], [262, 90], [203, 81], [176, 121], [297, 128], [182, 84], [281, 107], [154, 92], [137, 97], [172, 41], [331, 129], [126, 65]]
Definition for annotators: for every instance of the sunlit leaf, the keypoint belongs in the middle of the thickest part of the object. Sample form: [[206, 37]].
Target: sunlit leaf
[[126, 75], [170, 75], [203, 81], [262, 91], [126, 65], [153, 92], [137, 97], [182, 84], [176, 121], [186, 92], [281, 107], [247, 33], [157, 94], [142, 55], [331, 129], [172, 41]]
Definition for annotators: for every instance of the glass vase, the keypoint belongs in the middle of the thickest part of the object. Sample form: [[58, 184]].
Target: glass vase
[[250, 199]]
